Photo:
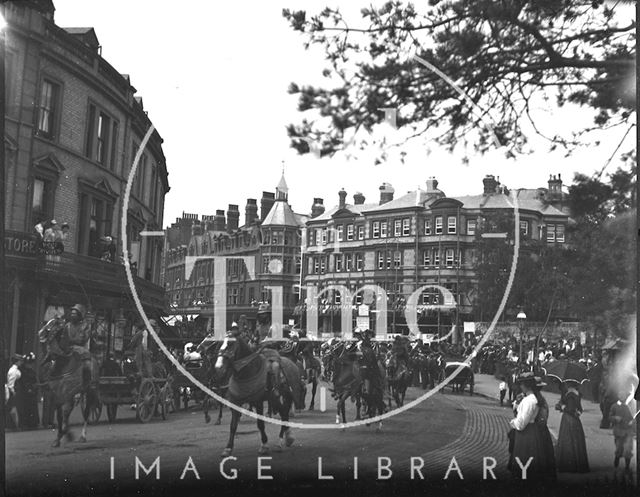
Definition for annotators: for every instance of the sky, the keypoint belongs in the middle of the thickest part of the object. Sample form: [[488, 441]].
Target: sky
[[213, 77]]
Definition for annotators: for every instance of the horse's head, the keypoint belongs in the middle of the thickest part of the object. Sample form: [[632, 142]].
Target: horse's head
[[226, 356]]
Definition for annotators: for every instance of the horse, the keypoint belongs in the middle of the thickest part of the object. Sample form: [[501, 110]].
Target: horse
[[256, 377], [65, 379], [312, 370], [399, 378]]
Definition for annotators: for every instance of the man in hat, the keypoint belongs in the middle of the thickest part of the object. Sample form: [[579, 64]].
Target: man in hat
[[78, 331], [623, 430], [263, 321]]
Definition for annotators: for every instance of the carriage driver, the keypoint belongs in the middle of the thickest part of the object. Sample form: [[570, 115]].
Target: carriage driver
[[79, 331], [371, 374]]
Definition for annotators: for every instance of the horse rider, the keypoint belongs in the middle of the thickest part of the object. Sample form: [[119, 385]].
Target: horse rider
[[371, 372], [78, 331], [263, 319]]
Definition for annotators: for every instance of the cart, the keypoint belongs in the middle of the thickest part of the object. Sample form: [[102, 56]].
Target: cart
[[151, 396], [461, 380]]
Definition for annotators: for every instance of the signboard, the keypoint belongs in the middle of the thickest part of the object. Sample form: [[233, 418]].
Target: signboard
[[469, 327], [363, 310], [17, 244], [362, 322]]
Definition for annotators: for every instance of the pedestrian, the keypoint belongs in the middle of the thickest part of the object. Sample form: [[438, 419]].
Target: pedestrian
[[11, 398], [531, 439], [27, 394], [623, 430], [571, 452], [503, 391]]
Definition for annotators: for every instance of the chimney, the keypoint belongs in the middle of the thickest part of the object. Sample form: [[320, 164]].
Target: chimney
[[219, 223], [233, 217], [207, 220], [251, 211], [317, 208], [432, 184], [343, 199], [196, 228], [358, 198], [490, 184], [386, 193], [266, 202], [555, 187]]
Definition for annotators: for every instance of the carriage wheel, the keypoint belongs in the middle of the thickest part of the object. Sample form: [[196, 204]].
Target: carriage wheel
[[166, 401], [112, 410], [147, 400], [94, 413]]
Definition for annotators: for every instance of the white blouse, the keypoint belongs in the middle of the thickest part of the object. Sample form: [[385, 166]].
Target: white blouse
[[527, 411]]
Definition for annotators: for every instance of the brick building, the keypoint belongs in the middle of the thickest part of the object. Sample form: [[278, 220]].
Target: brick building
[[73, 124], [271, 241], [419, 239]]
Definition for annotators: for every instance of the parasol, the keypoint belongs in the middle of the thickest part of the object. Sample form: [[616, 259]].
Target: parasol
[[566, 370]]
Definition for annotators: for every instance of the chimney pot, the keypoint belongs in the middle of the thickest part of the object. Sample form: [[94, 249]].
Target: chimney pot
[[358, 198], [317, 208], [386, 193], [343, 198]]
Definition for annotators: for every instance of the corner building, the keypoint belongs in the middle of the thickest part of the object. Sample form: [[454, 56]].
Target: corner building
[[422, 238], [73, 124]]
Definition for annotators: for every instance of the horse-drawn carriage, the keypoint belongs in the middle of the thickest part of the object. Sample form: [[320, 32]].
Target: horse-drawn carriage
[[150, 395], [459, 382]]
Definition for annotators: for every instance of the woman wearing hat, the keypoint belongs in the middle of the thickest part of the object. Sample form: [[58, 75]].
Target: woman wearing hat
[[531, 435], [571, 452]]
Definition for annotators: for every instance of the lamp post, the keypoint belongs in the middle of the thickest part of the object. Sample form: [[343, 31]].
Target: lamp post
[[521, 317]]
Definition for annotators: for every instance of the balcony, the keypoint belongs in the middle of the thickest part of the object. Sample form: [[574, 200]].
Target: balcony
[[97, 276]]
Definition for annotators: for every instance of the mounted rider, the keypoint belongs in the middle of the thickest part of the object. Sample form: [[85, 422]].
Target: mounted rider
[[78, 332], [369, 361]]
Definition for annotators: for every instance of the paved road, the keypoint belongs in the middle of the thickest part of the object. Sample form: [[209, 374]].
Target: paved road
[[445, 426]]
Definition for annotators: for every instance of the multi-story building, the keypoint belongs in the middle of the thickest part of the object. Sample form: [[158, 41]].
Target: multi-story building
[[269, 243], [409, 244], [73, 125]]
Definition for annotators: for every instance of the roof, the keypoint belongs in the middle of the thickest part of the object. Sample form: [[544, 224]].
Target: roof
[[415, 198], [355, 209], [86, 35], [282, 186], [280, 215]]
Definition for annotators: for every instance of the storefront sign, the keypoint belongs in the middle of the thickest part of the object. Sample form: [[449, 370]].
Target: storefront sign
[[19, 244]]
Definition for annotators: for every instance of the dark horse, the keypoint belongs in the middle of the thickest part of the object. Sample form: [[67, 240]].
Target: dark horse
[[64, 379], [257, 377], [399, 377]]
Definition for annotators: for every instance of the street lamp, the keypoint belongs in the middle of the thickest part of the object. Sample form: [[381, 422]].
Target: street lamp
[[521, 317]]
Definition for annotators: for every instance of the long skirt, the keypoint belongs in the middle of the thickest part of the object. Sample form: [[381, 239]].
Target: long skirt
[[571, 453], [534, 442]]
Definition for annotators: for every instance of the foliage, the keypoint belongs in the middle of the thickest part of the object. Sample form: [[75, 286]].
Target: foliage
[[503, 54]]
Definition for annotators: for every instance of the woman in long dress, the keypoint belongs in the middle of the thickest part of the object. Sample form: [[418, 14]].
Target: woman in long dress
[[531, 447], [571, 452]]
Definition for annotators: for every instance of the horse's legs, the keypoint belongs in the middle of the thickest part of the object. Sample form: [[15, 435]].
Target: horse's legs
[[358, 407], [235, 418], [314, 388], [219, 420], [59, 433], [264, 448], [205, 409]]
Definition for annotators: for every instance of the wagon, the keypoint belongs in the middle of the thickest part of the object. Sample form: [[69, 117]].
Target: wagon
[[461, 380], [151, 396], [184, 388]]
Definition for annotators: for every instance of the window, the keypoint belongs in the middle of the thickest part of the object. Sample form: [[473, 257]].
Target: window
[[323, 265], [324, 236], [471, 226], [524, 227], [96, 214], [41, 200], [436, 257], [318, 236], [316, 265], [451, 225], [337, 298], [340, 229], [383, 229], [551, 232], [449, 257], [438, 225], [397, 226], [312, 237], [348, 262], [359, 262], [113, 156], [375, 228], [426, 258], [265, 295], [427, 226], [406, 227], [100, 130], [397, 259], [338, 262], [265, 263], [298, 264], [361, 232], [48, 108], [350, 232], [560, 233], [389, 260], [233, 296], [380, 260]]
